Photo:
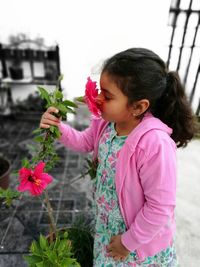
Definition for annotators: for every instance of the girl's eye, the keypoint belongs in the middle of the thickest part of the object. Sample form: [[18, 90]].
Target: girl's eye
[[107, 97]]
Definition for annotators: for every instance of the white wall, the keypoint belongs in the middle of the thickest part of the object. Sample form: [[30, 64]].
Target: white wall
[[87, 31]]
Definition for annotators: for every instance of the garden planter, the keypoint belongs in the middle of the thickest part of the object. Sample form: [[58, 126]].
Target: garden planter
[[81, 241], [4, 173]]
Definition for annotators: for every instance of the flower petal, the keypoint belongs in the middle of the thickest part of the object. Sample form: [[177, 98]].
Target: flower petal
[[46, 178], [24, 173], [91, 94], [39, 169], [24, 186], [36, 190]]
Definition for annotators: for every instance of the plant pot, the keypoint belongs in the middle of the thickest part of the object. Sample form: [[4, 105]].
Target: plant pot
[[16, 73], [4, 173]]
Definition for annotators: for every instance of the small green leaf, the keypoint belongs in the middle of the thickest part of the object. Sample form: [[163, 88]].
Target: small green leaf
[[38, 139], [44, 94], [80, 99], [37, 131], [40, 264], [32, 260], [69, 103], [60, 78], [43, 242], [61, 107], [26, 163], [69, 110], [58, 95]]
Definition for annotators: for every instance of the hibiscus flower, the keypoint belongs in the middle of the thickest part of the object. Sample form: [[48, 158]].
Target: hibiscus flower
[[91, 94], [34, 181]]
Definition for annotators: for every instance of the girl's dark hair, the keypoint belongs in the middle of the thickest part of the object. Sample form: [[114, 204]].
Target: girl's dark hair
[[141, 74]]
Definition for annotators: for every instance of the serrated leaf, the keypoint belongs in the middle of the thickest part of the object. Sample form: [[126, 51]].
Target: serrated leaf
[[43, 242], [35, 249], [44, 94]]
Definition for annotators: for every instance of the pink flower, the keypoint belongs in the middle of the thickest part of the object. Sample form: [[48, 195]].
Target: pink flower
[[91, 94], [35, 181]]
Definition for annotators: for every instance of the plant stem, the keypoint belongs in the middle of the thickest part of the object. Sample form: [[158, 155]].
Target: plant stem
[[50, 215]]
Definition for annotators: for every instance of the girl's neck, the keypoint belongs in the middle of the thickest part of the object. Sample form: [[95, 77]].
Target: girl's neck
[[125, 128]]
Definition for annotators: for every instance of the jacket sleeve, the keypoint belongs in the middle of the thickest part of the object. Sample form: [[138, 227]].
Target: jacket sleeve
[[80, 141], [157, 174]]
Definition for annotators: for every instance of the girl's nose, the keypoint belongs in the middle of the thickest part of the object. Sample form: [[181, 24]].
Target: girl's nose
[[100, 99]]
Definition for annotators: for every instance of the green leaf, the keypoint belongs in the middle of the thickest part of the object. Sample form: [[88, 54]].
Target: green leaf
[[69, 103], [26, 163], [39, 139], [57, 132], [80, 99], [35, 249], [61, 107], [58, 94], [44, 94], [32, 260], [40, 264], [69, 110], [43, 242], [60, 78], [37, 131]]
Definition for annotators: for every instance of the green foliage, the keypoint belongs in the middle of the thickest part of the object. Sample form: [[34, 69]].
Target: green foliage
[[46, 137], [6, 196], [55, 254], [55, 99], [92, 168]]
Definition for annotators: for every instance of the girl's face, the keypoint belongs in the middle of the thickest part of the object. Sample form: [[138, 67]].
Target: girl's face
[[115, 104]]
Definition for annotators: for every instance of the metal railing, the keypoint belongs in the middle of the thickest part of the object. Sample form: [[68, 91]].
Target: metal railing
[[184, 47]]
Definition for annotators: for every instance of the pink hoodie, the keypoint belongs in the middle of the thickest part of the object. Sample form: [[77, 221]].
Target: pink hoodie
[[145, 180]]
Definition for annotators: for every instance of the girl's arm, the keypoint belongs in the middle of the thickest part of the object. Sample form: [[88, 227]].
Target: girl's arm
[[158, 179], [78, 141]]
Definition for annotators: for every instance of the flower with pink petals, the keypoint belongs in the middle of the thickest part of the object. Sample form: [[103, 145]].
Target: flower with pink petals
[[34, 181], [91, 94]]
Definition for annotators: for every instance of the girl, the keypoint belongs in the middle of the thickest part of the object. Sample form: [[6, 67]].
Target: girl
[[144, 116]]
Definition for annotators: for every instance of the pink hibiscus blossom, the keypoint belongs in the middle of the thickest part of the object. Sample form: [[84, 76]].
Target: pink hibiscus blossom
[[91, 94], [35, 181]]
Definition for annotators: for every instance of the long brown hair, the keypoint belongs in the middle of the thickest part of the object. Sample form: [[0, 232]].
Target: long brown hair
[[142, 74]]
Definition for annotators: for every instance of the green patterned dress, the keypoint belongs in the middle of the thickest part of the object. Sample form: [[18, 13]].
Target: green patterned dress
[[109, 221]]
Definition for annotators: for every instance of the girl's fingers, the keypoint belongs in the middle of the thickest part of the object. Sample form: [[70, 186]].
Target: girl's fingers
[[52, 110], [49, 119], [45, 126]]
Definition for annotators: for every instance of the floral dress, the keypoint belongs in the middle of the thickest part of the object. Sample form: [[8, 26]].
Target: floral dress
[[109, 221]]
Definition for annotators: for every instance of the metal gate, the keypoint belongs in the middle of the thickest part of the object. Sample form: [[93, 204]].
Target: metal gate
[[184, 47]]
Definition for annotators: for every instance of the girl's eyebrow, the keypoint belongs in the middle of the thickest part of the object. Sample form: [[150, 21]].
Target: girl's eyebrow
[[106, 91]]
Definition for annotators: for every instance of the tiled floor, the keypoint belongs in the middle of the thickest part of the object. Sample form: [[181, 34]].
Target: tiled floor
[[22, 222]]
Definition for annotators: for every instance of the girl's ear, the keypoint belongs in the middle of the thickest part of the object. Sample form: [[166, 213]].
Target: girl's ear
[[140, 107]]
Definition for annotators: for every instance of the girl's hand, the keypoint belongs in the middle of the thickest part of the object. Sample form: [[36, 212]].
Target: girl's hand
[[116, 249], [48, 119]]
